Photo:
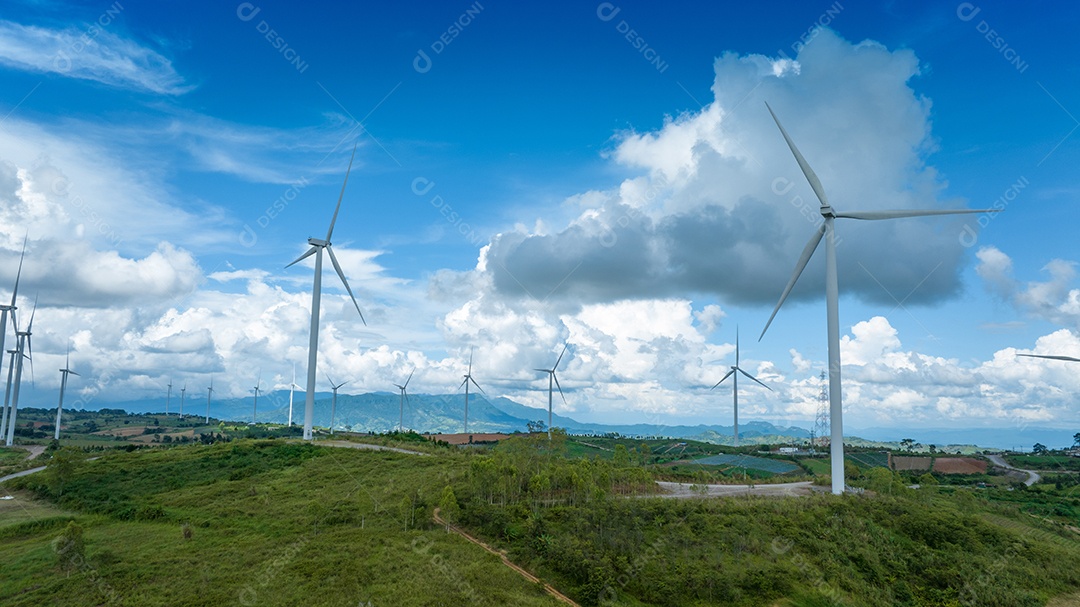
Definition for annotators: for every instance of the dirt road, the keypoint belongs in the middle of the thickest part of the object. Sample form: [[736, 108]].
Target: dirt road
[[997, 460], [525, 574], [685, 490]]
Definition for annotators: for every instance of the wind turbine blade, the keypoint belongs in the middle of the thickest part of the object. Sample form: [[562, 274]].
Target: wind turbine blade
[[1066, 358], [476, 384], [722, 379], [340, 196], [559, 360], [804, 259], [73, 373], [309, 253], [341, 275], [812, 177], [543, 370], [556, 378], [900, 214], [463, 382], [18, 274], [328, 378], [751, 377], [409, 379], [736, 346]]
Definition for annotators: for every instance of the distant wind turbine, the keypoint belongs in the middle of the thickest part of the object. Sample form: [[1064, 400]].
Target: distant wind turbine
[[168, 397], [469, 378], [24, 350], [209, 391], [182, 390], [734, 374], [292, 387], [255, 405], [4, 310], [832, 291], [63, 384], [317, 248], [333, 402], [7, 393], [401, 404], [553, 378]]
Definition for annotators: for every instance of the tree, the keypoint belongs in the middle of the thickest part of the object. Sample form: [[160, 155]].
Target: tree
[[1076, 439], [907, 443], [61, 467], [448, 505], [536, 426], [621, 456], [69, 547], [1038, 448]]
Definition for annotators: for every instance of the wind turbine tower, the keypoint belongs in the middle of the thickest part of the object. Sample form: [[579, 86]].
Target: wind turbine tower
[[4, 311], [168, 397], [317, 248], [401, 403], [209, 391], [469, 378], [333, 402], [182, 390], [553, 379], [832, 290], [734, 375], [255, 405], [23, 345], [63, 384]]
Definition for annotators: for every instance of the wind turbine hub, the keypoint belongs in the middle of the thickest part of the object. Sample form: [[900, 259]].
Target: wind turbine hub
[[315, 242], [827, 211]]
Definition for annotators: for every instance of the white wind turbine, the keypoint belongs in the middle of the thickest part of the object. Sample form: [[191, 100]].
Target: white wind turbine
[[63, 384], [168, 397], [469, 378], [4, 310], [255, 405], [333, 402], [7, 392], [292, 387], [1051, 357], [734, 374], [209, 391], [552, 378], [832, 291], [404, 397], [182, 390], [23, 346], [317, 248]]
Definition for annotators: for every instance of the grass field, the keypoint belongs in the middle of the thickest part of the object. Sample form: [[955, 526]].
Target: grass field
[[1051, 463]]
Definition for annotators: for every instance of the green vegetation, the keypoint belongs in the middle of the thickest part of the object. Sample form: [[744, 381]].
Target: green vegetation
[[1044, 462], [279, 522]]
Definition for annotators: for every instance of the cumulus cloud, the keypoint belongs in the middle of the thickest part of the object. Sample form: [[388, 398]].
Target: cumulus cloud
[[94, 53], [1056, 300], [721, 207]]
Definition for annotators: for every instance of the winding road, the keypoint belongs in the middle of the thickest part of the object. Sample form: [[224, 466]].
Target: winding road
[[998, 460], [689, 490]]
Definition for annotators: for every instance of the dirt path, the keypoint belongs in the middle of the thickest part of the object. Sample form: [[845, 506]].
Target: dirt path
[[351, 445], [685, 491], [23, 473], [525, 574], [35, 450], [997, 460]]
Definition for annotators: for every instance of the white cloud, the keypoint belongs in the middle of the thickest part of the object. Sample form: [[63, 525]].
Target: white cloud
[[1056, 300], [93, 53]]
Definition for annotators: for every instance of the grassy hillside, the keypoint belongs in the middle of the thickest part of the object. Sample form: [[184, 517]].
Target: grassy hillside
[[273, 522]]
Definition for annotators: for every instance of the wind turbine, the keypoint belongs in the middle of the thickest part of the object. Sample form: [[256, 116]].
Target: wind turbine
[[1049, 357], [4, 310], [7, 393], [734, 374], [832, 291], [63, 384], [465, 382], [209, 391], [23, 346], [168, 397], [317, 248], [552, 378], [255, 405], [182, 390], [404, 397], [292, 387], [333, 403]]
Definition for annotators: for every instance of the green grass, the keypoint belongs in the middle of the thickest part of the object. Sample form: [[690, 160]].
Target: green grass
[[1050, 463], [272, 523]]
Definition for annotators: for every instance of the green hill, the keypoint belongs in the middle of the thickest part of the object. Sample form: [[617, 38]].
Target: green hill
[[274, 522]]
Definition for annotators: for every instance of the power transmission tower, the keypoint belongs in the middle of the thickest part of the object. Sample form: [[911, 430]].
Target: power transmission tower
[[821, 424]]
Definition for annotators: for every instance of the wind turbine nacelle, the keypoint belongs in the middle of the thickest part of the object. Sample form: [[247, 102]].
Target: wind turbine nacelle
[[318, 243]]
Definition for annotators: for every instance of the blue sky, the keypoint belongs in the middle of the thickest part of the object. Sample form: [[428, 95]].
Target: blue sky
[[530, 174]]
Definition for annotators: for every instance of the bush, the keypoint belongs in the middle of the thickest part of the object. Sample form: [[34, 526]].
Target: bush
[[69, 547]]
